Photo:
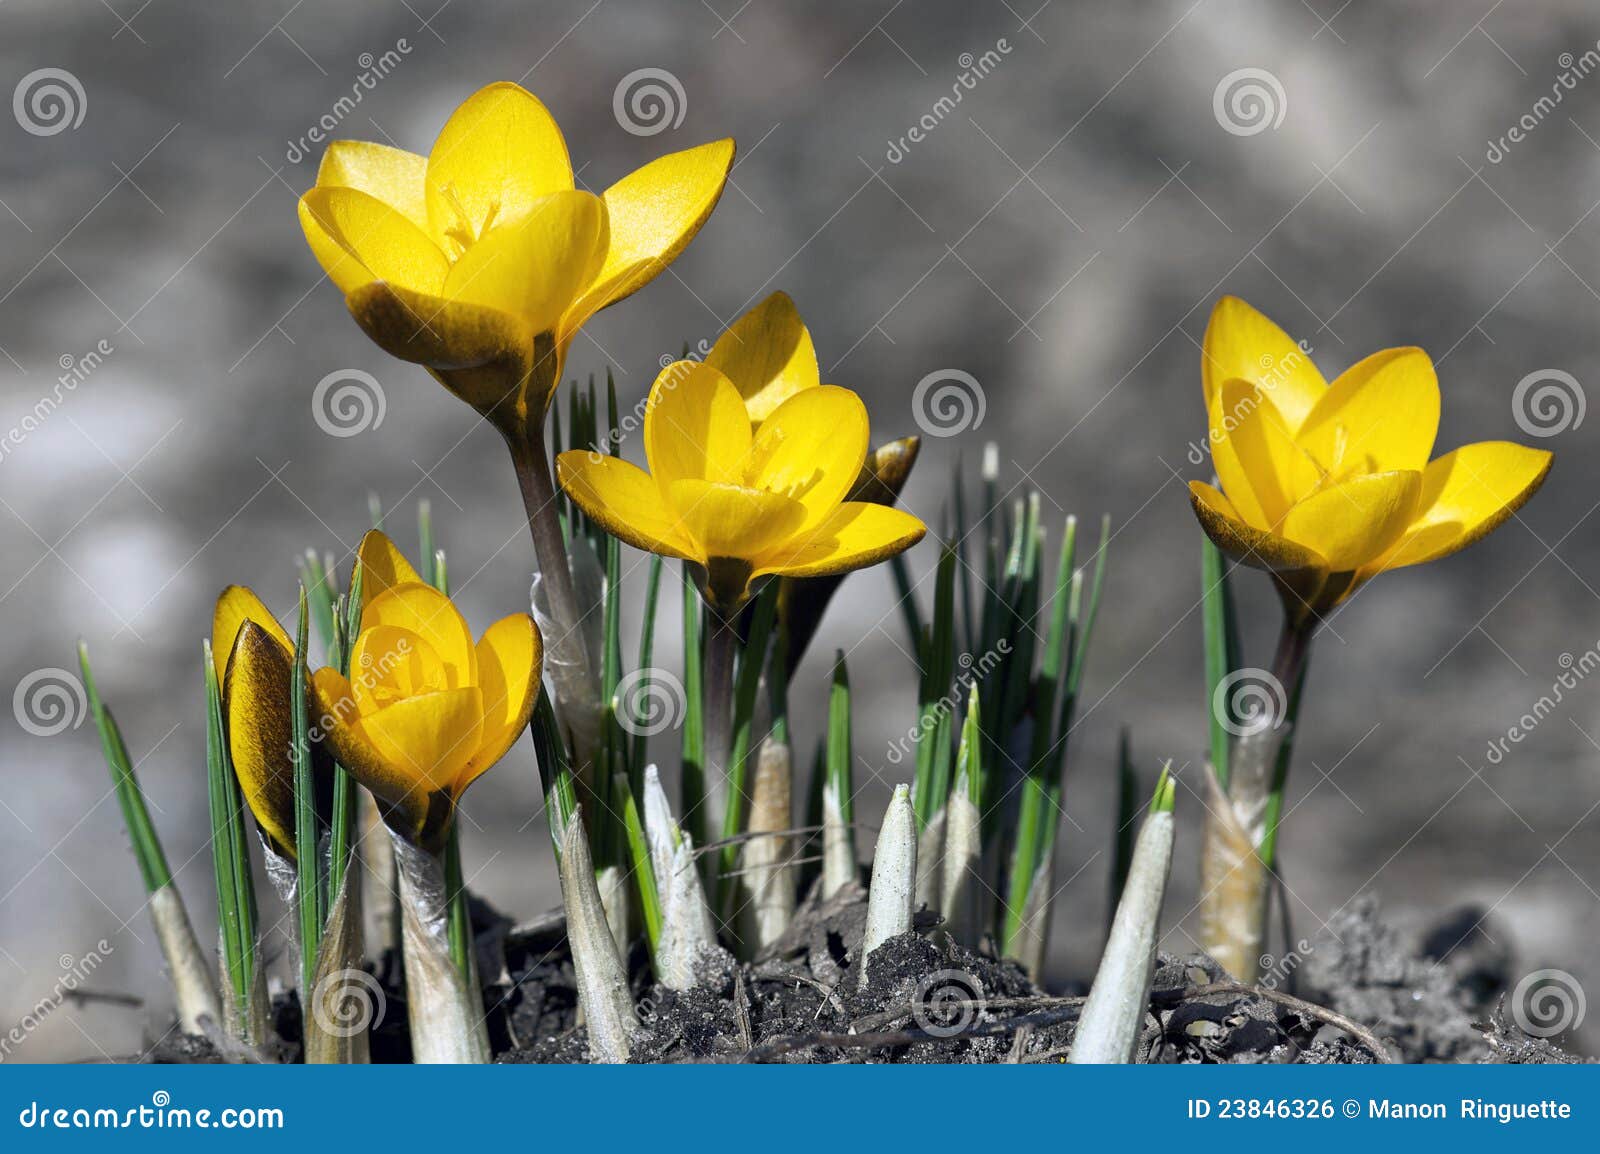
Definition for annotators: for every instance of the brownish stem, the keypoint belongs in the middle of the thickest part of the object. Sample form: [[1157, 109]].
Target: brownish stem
[[566, 651]]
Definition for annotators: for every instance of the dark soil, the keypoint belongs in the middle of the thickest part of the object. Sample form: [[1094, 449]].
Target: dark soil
[[1356, 993]]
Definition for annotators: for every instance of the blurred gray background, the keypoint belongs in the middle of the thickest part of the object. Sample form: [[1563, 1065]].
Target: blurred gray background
[[1060, 234]]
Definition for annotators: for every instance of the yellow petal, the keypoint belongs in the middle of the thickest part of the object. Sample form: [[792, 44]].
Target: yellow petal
[[236, 605], [423, 610], [811, 449], [256, 701], [389, 664], [1381, 415], [496, 155], [654, 213], [733, 521], [695, 427], [393, 175], [428, 739], [1466, 495], [510, 657], [336, 720], [767, 354], [855, 535], [383, 566], [625, 501], [359, 239], [534, 267], [1265, 461], [1244, 542], [1353, 523], [486, 357], [1241, 342]]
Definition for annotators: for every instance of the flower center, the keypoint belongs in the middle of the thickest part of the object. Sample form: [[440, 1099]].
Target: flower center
[[463, 233]]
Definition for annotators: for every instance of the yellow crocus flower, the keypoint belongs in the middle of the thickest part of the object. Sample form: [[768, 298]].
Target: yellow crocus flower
[[482, 259], [425, 711], [743, 498], [1326, 486], [255, 663]]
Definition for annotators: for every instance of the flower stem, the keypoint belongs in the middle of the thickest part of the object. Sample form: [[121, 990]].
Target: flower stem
[[1240, 841], [721, 648], [569, 660]]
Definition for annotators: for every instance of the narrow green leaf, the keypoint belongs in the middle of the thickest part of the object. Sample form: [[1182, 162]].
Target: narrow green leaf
[[1125, 829], [425, 541], [841, 760], [147, 849], [906, 599], [747, 684], [646, 668], [228, 848], [1221, 645], [309, 895], [643, 869], [560, 792]]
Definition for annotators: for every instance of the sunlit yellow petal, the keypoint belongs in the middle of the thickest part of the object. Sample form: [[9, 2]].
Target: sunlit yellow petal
[[256, 701], [767, 354], [359, 239], [534, 267], [811, 448], [1268, 461], [1466, 495], [335, 719], [510, 656], [428, 738], [383, 566], [236, 605], [695, 427], [855, 535], [733, 521], [389, 664], [1241, 342], [625, 501], [654, 213], [423, 610], [1355, 522], [1243, 541], [393, 175], [1381, 415], [498, 154]]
